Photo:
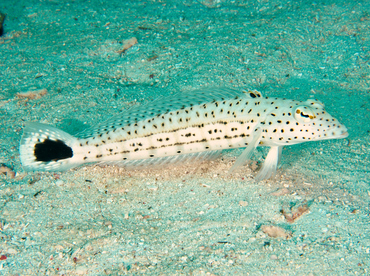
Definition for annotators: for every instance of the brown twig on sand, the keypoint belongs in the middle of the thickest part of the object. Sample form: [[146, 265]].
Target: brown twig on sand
[[291, 217]]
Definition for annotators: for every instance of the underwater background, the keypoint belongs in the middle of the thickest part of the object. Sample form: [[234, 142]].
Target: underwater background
[[73, 64]]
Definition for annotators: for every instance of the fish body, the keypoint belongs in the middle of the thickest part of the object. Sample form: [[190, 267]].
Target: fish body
[[184, 126]]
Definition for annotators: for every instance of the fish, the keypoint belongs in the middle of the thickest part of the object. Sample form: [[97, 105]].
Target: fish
[[182, 127]]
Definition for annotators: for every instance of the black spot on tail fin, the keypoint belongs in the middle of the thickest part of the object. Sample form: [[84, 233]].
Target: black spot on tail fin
[[46, 148], [50, 150]]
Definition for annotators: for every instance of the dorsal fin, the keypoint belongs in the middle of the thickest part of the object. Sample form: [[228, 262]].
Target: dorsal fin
[[167, 104]]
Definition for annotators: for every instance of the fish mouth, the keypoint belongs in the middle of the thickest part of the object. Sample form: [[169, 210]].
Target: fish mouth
[[344, 135]]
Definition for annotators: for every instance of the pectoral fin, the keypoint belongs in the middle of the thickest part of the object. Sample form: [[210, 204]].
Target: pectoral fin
[[270, 165], [247, 153]]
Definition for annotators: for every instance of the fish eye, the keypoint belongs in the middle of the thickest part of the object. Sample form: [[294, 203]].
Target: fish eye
[[304, 114]]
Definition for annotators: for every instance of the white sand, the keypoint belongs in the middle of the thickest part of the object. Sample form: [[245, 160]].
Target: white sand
[[185, 219]]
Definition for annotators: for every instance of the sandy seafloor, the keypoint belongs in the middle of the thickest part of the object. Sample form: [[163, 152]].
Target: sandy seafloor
[[185, 219]]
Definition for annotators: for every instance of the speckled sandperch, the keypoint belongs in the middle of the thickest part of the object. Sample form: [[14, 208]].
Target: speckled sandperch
[[188, 125]]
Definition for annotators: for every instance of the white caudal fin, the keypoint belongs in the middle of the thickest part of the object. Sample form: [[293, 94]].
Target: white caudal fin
[[46, 148]]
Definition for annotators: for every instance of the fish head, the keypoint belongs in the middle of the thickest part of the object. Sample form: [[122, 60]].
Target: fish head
[[296, 122]]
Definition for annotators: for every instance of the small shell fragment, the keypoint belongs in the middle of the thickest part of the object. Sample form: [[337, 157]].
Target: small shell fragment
[[127, 45], [275, 231], [35, 94], [6, 170]]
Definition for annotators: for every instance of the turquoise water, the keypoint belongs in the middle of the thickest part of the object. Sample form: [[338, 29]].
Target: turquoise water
[[184, 219]]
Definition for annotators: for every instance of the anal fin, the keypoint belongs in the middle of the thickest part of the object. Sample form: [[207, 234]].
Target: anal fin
[[164, 161]]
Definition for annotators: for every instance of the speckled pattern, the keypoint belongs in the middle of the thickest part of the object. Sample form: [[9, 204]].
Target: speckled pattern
[[190, 123]]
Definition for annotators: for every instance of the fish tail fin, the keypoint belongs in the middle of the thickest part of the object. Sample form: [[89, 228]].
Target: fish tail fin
[[46, 148]]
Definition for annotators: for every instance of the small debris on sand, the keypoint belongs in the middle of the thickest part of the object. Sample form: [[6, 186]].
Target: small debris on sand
[[6, 170], [281, 192], [36, 94], [291, 217], [127, 45], [243, 203], [275, 231]]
